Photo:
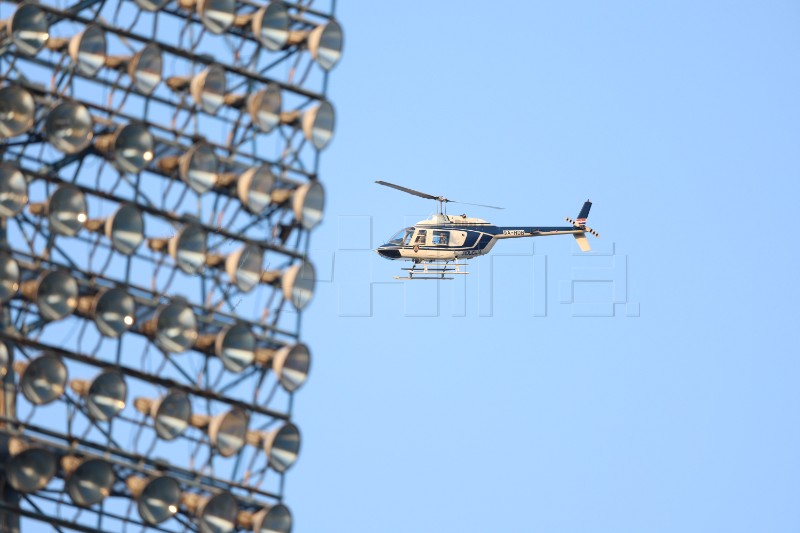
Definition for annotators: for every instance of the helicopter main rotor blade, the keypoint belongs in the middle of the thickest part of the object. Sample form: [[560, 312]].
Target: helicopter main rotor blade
[[479, 205], [412, 191]]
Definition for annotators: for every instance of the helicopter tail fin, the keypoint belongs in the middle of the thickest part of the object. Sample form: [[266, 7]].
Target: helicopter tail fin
[[584, 213]]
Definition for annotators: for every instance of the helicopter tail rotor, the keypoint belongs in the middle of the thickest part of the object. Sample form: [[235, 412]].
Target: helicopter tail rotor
[[580, 221]]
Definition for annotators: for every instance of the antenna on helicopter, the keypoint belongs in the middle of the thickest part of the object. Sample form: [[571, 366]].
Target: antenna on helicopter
[[441, 199]]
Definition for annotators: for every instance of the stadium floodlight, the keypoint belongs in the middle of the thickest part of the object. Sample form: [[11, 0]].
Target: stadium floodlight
[[226, 431], [145, 67], [270, 519], [187, 248], [263, 106], [291, 366], [130, 147], [271, 25], [206, 88], [235, 346], [198, 167], [17, 110], [242, 266], [28, 28], [282, 445], [29, 467], [9, 277], [88, 480], [317, 123], [68, 127], [325, 42], [157, 498], [54, 292], [87, 49], [43, 379], [105, 395], [254, 188], [170, 413], [125, 228], [308, 204], [173, 327], [113, 310], [65, 209], [296, 282], [13, 190], [216, 514]]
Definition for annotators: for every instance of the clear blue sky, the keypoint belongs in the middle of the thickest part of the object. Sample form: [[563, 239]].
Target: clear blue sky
[[681, 121]]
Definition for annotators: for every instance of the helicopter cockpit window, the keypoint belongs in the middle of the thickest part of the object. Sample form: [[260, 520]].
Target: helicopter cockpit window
[[441, 238], [402, 236]]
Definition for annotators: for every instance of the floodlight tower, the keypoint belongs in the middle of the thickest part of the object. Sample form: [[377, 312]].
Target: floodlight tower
[[159, 181]]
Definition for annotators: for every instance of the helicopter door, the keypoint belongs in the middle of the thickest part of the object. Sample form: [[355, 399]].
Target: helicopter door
[[421, 238]]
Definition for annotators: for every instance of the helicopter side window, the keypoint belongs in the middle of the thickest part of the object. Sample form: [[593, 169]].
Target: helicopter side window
[[441, 238], [421, 237]]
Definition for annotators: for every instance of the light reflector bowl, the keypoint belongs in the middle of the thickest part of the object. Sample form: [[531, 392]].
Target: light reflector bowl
[[291, 365], [55, 294], [67, 210], [13, 190], [208, 89], [158, 499], [106, 396], [235, 346], [318, 124], [175, 327], [88, 50], [188, 249], [125, 229], [29, 29], [132, 148], [298, 284], [31, 469], [264, 107], [9, 277], [254, 188], [199, 167], [17, 110], [271, 25], [146, 68], [283, 446], [274, 519], [227, 431], [44, 379], [325, 43], [68, 127], [91, 482], [171, 415], [244, 267], [308, 204]]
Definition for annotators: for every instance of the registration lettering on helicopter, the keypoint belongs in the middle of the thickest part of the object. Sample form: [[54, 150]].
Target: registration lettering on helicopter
[[513, 232]]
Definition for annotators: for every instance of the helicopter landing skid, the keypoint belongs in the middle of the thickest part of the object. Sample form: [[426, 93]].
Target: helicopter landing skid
[[433, 271]]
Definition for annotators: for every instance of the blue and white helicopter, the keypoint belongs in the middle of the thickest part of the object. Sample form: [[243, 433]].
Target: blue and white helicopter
[[436, 245]]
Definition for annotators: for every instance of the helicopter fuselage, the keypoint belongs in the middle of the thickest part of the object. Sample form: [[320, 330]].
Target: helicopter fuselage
[[450, 238]]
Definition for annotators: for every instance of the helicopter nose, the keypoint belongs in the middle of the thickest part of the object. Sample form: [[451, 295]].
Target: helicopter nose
[[388, 252]]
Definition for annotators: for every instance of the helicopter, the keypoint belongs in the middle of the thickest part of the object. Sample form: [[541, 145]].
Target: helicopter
[[436, 245]]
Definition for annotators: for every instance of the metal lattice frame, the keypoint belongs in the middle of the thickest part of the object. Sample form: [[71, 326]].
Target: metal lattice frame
[[195, 38]]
